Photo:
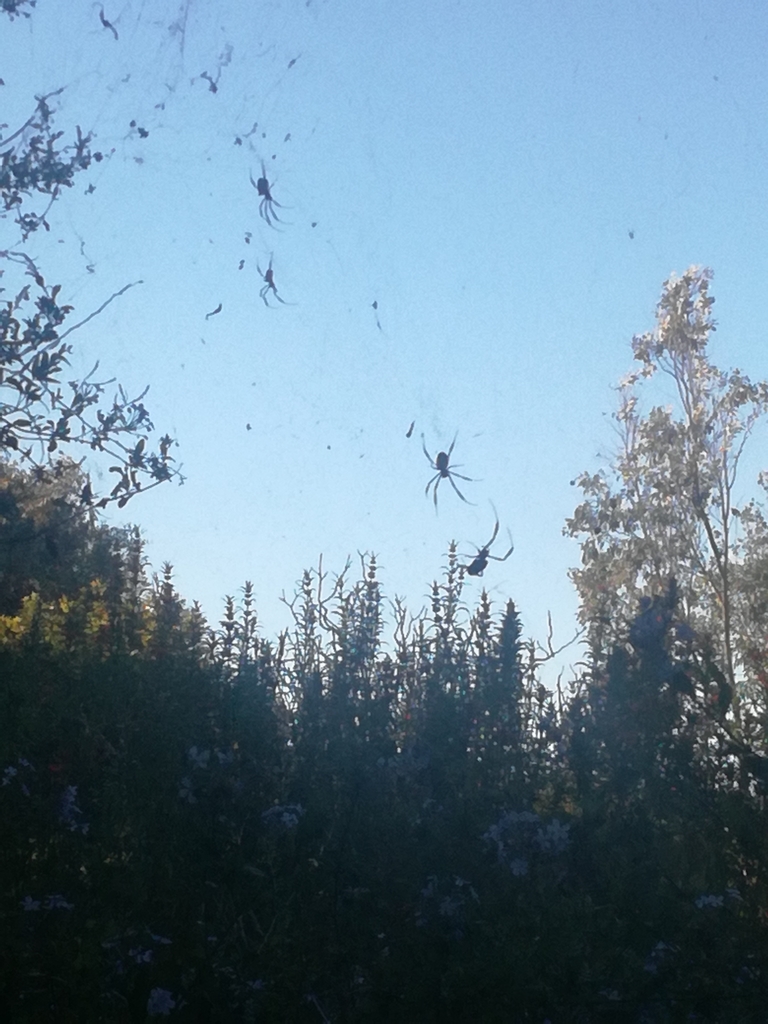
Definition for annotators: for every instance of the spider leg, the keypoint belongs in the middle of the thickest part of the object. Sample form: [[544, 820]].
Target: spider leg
[[267, 213], [496, 527], [271, 207], [430, 460], [453, 442], [434, 478], [437, 484], [453, 485], [503, 558], [461, 477]]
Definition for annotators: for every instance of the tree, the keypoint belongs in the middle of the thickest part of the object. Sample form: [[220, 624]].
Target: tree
[[666, 506], [50, 543], [39, 415]]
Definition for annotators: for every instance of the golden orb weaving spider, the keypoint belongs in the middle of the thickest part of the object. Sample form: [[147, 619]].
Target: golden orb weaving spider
[[268, 276], [441, 464], [479, 563], [268, 202]]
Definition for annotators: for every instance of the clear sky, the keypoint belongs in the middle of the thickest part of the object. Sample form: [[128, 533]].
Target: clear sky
[[511, 182]]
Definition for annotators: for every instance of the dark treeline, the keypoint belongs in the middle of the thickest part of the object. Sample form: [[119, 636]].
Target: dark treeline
[[374, 818]]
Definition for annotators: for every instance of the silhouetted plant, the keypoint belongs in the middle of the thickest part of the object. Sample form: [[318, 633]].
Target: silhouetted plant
[[40, 415], [33, 162], [359, 825]]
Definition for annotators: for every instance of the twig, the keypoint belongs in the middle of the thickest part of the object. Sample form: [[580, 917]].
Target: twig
[[96, 312], [31, 118]]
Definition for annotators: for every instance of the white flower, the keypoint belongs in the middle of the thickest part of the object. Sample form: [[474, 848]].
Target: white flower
[[518, 867], [29, 904], [8, 774]]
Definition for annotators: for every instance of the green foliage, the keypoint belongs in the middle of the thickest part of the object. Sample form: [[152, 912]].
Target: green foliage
[[48, 541], [342, 827], [666, 508]]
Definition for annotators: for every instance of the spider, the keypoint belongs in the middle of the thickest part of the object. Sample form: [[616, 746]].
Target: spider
[[268, 203], [269, 284], [479, 563], [440, 463]]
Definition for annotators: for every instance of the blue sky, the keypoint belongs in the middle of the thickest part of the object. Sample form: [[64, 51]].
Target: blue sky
[[478, 171]]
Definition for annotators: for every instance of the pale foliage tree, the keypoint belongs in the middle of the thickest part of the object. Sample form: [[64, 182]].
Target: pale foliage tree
[[665, 508]]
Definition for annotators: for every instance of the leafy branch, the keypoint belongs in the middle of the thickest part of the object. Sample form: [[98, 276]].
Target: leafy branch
[[39, 415], [32, 161]]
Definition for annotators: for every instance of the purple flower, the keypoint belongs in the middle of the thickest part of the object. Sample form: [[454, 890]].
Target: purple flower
[[11, 772], [68, 810], [141, 956], [185, 790], [199, 757], [286, 815], [160, 1002], [657, 955], [709, 901], [57, 902], [554, 838]]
